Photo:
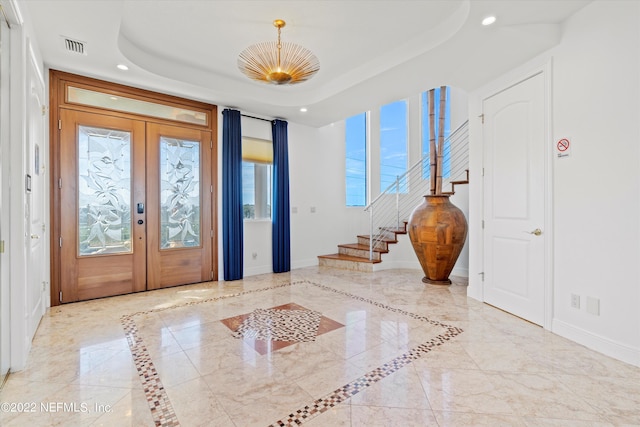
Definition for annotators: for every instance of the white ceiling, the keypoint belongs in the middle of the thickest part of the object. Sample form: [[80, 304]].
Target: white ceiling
[[370, 52]]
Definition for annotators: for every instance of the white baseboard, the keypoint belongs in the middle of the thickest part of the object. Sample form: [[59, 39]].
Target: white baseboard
[[302, 263], [596, 342], [254, 271], [266, 269], [460, 272], [392, 265]]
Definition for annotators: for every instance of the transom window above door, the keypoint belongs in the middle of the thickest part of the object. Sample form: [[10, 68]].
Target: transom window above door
[[109, 101]]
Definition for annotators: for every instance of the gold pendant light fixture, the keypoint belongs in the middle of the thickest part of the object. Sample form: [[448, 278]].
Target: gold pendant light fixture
[[278, 63]]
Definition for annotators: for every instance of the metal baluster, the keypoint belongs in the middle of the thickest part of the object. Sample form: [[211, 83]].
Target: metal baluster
[[398, 201], [371, 234]]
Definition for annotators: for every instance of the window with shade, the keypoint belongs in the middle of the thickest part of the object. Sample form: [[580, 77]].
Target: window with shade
[[257, 161]]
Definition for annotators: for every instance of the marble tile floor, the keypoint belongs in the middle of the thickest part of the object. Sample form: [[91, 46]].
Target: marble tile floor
[[375, 349]]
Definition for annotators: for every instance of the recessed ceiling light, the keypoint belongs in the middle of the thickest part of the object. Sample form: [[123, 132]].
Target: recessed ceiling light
[[303, 110], [488, 20], [123, 67]]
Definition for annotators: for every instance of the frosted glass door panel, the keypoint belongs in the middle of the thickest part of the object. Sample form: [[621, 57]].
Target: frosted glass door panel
[[104, 191], [179, 193]]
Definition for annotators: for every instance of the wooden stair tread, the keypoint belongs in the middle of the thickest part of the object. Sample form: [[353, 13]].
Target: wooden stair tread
[[344, 257], [361, 247], [394, 230], [379, 239]]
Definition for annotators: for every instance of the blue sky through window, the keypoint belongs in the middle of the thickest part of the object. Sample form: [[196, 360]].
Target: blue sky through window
[[356, 160], [393, 143]]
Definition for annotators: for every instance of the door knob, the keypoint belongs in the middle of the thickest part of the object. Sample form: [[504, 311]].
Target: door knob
[[536, 232]]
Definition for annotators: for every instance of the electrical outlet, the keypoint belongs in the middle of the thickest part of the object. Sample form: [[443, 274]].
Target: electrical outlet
[[593, 306], [575, 301]]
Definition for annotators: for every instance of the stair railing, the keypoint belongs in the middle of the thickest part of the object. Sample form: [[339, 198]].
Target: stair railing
[[395, 204]]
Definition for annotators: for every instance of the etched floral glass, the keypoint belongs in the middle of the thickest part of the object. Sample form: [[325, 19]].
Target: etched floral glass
[[179, 193], [104, 191]]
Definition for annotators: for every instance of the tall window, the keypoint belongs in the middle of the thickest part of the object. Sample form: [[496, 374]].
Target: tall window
[[257, 158], [356, 160], [393, 143], [446, 161]]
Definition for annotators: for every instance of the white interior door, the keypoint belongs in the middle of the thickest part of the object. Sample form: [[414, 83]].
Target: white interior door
[[514, 204], [35, 218], [5, 304]]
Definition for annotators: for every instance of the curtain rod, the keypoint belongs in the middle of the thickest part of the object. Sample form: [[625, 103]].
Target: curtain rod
[[257, 118]]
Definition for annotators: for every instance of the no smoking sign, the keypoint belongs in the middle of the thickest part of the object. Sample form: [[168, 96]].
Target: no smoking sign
[[563, 148]]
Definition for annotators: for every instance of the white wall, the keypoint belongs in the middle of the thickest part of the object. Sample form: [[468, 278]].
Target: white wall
[[596, 191], [596, 103], [316, 165]]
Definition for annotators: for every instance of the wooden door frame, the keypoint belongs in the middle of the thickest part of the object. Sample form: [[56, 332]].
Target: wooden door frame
[[58, 82]]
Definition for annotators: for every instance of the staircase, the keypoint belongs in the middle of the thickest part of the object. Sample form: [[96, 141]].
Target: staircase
[[454, 183], [356, 256], [389, 211]]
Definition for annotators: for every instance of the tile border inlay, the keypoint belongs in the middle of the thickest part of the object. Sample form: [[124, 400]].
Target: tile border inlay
[[164, 415]]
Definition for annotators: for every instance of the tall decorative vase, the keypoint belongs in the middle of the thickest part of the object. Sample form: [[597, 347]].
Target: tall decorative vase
[[438, 230]]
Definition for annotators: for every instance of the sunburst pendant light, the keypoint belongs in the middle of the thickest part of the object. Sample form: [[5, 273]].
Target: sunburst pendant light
[[278, 63]]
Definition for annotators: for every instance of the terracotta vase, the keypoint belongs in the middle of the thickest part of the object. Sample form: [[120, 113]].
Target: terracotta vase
[[438, 230]]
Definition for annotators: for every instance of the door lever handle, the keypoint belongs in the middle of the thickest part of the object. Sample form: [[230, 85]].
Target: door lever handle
[[35, 236], [535, 232]]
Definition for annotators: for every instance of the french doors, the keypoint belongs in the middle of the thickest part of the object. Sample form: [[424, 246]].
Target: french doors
[[136, 205]]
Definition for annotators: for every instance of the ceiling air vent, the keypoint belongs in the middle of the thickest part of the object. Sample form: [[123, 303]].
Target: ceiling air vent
[[74, 46]]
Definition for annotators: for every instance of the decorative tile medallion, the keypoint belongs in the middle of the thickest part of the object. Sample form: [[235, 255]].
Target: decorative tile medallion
[[274, 328], [160, 405]]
